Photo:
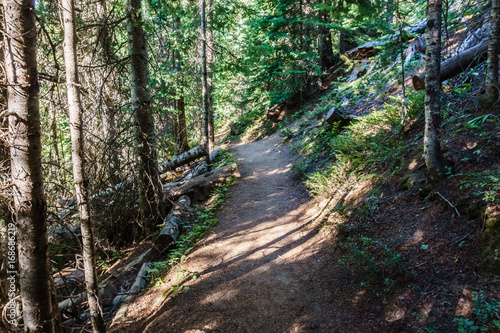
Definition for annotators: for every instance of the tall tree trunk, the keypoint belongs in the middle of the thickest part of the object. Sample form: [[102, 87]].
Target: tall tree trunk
[[434, 160], [26, 165], [151, 198], [5, 216], [78, 159], [325, 42], [108, 109], [493, 48], [204, 83], [210, 61], [181, 123], [182, 144]]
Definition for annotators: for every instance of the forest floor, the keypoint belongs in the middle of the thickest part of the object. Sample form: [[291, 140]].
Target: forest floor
[[264, 268]]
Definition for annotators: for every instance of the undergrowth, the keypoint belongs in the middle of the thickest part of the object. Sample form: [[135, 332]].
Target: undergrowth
[[365, 148], [370, 255], [486, 316], [205, 219], [225, 157]]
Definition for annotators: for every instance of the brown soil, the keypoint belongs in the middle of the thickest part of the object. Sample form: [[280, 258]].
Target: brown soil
[[262, 268]]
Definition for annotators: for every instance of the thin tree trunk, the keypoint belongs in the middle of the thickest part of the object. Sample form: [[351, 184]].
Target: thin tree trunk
[[5, 216], [151, 198], [183, 144], [434, 159], [204, 83], [210, 61], [26, 165], [78, 159], [493, 48], [183, 139], [325, 42], [108, 110]]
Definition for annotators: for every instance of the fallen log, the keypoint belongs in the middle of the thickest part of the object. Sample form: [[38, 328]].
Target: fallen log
[[277, 112], [366, 50], [199, 188], [106, 295], [67, 207], [184, 158], [139, 284], [171, 228], [455, 65]]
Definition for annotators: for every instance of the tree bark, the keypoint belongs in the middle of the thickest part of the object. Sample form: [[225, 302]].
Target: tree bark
[[455, 65], [78, 159], [184, 158], [26, 166], [151, 198], [108, 109], [493, 48], [210, 62], [325, 42], [434, 159], [182, 144], [199, 188], [204, 83]]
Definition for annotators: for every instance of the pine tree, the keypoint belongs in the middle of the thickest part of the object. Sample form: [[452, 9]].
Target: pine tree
[[434, 160], [151, 198], [26, 165]]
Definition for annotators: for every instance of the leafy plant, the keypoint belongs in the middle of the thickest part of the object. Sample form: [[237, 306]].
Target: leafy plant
[[370, 254], [154, 273], [486, 315], [486, 184], [225, 157], [177, 288]]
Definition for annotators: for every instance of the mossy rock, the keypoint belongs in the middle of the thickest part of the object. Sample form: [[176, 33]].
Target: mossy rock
[[491, 241]]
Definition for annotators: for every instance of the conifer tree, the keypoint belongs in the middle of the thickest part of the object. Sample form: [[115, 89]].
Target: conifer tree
[[152, 201], [26, 165], [434, 160]]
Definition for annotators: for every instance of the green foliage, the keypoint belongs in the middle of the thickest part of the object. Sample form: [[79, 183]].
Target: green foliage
[[370, 255], [485, 184], [154, 273], [182, 276], [364, 148], [205, 219], [225, 157], [486, 316]]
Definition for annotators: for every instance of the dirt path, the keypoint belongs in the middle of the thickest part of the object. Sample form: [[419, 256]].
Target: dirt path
[[262, 269]]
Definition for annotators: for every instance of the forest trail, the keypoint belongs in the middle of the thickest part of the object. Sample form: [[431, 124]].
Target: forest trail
[[262, 269]]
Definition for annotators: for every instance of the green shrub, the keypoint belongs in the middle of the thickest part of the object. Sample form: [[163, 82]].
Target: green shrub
[[486, 316]]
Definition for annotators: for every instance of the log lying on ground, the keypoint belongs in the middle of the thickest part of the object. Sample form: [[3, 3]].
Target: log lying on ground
[[337, 116], [139, 284], [455, 65], [68, 205], [366, 50], [203, 167], [199, 187], [106, 295], [184, 158], [171, 228], [277, 112]]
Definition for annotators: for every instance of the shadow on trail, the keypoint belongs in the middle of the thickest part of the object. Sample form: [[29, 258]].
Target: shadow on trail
[[265, 268]]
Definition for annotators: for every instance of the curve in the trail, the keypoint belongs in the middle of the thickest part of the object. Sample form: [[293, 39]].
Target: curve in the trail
[[261, 269]]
